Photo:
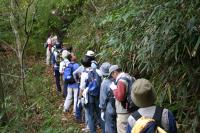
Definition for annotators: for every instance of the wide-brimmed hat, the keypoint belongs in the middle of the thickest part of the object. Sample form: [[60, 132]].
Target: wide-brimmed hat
[[105, 68], [90, 53], [113, 68], [143, 93]]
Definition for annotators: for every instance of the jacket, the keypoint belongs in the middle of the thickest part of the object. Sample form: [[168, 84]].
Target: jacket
[[120, 93]]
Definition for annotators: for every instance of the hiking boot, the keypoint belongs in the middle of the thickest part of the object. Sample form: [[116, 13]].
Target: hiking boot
[[65, 110]]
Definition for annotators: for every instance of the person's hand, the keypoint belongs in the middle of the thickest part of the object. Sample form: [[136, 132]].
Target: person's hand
[[113, 86], [102, 116], [80, 93]]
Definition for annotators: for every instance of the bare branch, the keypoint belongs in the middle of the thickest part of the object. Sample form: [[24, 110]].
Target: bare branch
[[10, 75], [30, 29], [26, 17], [14, 27], [97, 10], [8, 45]]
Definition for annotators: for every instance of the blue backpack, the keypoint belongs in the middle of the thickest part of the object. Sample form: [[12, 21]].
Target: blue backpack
[[68, 74], [93, 83]]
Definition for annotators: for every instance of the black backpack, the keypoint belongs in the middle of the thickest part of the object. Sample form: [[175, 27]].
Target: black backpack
[[128, 103]]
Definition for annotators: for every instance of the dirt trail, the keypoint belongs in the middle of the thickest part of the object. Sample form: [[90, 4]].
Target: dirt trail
[[66, 118]]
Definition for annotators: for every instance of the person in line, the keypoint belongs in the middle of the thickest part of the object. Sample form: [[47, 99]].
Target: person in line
[[63, 64], [48, 49], [143, 95], [107, 101], [91, 97], [56, 62], [90, 56], [73, 87], [54, 43], [119, 91], [86, 64]]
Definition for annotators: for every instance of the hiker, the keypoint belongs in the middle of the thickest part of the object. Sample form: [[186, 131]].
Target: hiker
[[63, 64], [90, 89], [143, 95], [86, 64], [90, 56], [54, 42], [57, 51], [80, 104], [48, 49], [107, 101], [119, 90], [73, 87]]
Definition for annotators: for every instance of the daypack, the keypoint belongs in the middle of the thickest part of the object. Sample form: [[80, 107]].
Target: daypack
[[59, 57], [68, 74], [111, 98], [153, 125], [93, 83], [128, 103]]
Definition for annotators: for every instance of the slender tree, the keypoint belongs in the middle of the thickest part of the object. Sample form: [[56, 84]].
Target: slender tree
[[3, 119]]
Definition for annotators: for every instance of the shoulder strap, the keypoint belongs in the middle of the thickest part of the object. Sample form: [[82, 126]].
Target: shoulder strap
[[158, 115], [136, 115]]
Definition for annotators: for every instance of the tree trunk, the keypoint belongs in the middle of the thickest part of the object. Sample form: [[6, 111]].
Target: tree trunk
[[4, 119]]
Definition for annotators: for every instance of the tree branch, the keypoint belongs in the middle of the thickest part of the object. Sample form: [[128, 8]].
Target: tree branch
[[97, 10], [6, 43], [14, 27], [10, 75]]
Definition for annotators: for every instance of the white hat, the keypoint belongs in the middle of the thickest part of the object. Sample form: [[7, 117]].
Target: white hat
[[90, 53], [65, 53]]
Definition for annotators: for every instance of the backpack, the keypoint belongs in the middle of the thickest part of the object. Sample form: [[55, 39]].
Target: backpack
[[152, 125], [68, 74], [59, 57], [128, 103], [111, 98], [93, 83]]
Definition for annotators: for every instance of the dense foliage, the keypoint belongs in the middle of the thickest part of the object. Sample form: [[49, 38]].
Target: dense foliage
[[157, 39]]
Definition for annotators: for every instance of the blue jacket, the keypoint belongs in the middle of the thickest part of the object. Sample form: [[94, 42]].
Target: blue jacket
[[74, 85], [106, 104]]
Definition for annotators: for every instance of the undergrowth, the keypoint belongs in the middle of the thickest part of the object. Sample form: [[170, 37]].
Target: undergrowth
[[43, 114]]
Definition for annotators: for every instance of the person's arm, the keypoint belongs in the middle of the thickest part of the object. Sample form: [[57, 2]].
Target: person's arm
[[168, 121], [61, 67], [103, 96], [79, 70], [130, 124], [83, 83], [120, 92]]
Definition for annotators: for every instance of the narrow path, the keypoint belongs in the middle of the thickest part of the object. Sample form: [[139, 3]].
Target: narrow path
[[67, 119]]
